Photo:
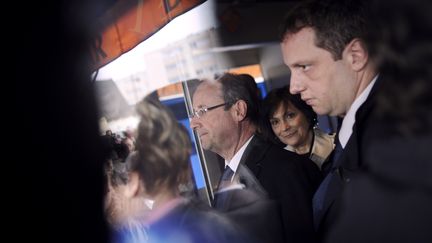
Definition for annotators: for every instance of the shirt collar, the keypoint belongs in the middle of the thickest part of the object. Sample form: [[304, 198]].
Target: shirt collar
[[349, 120], [235, 161]]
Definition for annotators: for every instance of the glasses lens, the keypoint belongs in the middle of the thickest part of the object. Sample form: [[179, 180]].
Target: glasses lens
[[198, 113], [201, 112]]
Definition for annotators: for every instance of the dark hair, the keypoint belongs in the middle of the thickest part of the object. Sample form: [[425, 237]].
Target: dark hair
[[400, 44], [241, 87], [336, 22], [282, 95], [163, 148]]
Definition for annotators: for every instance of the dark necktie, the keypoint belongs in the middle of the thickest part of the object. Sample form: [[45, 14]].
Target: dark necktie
[[221, 198], [227, 175], [337, 153], [320, 194]]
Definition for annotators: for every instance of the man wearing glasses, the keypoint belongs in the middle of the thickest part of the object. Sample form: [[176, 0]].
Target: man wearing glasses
[[226, 118]]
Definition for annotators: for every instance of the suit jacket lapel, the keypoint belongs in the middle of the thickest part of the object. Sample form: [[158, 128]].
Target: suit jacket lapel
[[253, 154], [353, 158], [350, 159]]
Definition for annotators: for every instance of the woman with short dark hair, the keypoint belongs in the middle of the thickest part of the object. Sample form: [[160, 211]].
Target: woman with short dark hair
[[290, 121]]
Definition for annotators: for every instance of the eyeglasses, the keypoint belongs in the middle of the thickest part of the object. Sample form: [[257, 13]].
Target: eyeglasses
[[201, 111]]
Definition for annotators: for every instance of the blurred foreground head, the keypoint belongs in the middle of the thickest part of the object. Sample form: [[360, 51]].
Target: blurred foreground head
[[163, 149], [400, 43], [157, 169]]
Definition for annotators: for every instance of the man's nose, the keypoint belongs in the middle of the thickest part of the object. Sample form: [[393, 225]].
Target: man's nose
[[296, 85], [194, 123]]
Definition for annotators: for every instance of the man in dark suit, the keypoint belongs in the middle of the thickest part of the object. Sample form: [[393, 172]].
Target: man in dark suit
[[226, 113], [396, 177], [322, 44]]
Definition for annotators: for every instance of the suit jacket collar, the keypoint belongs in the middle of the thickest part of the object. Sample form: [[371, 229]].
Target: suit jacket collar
[[350, 118], [351, 157], [254, 154], [367, 106]]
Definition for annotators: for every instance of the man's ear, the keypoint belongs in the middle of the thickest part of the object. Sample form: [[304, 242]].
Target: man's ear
[[356, 54], [133, 185], [240, 110]]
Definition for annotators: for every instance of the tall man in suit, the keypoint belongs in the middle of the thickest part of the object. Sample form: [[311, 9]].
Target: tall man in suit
[[226, 113], [396, 178], [322, 44]]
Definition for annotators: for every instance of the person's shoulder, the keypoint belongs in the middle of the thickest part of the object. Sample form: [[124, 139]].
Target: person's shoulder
[[210, 225], [285, 155], [298, 164], [197, 212], [130, 231], [323, 145], [320, 133], [278, 157], [278, 161]]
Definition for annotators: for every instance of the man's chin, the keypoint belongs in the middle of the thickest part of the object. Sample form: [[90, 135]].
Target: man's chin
[[320, 110], [205, 145]]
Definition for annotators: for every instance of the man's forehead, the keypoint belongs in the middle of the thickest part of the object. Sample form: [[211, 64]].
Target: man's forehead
[[305, 32], [209, 84], [207, 90]]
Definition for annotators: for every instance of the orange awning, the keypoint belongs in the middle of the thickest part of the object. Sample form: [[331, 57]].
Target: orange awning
[[129, 22]]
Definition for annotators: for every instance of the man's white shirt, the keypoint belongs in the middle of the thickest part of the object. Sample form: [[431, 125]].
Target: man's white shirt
[[349, 119], [235, 161]]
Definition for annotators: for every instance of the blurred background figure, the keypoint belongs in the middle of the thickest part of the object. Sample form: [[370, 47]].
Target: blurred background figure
[[129, 140], [110, 146], [124, 213], [118, 147], [290, 121], [57, 116], [390, 201], [126, 146], [147, 189]]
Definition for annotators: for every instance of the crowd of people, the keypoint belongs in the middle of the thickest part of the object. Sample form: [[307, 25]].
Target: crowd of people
[[284, 179]]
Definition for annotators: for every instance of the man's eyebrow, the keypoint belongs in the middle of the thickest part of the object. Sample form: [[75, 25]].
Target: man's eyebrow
[[299, 64]]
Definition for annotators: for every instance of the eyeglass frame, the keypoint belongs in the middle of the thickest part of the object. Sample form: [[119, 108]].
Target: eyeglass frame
[[204, 110]]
